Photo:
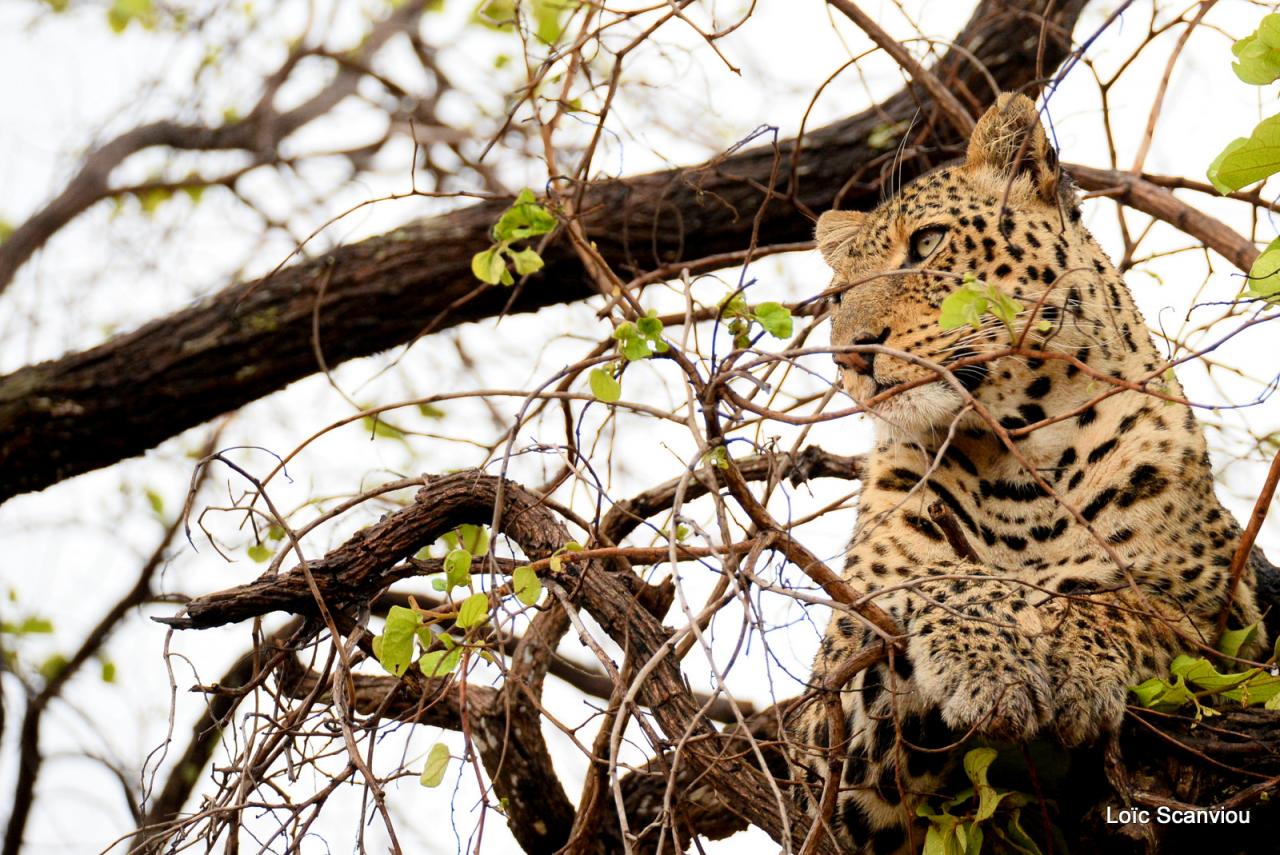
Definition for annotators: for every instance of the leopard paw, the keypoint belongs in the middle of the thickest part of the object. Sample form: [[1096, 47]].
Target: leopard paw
[[1087, 704], [1012, 702]]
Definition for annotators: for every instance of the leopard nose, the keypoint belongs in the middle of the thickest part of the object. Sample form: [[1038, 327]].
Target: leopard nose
[[861, 363]]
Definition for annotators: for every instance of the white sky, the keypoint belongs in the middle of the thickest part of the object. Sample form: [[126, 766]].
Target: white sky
[[70, 551]]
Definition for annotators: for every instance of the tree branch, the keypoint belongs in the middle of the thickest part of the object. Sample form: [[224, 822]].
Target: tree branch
[[90, 409]]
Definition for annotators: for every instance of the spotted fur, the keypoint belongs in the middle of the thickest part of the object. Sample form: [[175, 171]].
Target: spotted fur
[[1043, 632]]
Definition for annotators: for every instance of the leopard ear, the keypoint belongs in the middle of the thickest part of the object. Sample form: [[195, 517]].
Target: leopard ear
[[1010, 139], [834, 230]]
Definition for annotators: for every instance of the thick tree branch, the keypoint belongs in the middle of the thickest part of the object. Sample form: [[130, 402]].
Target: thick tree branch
[[261, 132], [91, 409]]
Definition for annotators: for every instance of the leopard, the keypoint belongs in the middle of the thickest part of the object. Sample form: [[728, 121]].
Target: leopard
[[1037, 514]]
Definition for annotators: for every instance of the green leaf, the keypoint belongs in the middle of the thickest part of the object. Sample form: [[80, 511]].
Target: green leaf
[[1018, 837], [156, 501], [941, 839], [524, 219], [152, 198], [964, 306], [1247, 160], [439, 663], [108, 672], [430, 411], [124, 12], [52, 667], [635, 348], [1263, 278], [260, 552], [970, 836], [604, 385], [527, 585], [488, 266], [976, 764], [1003, 307], [375, 426], [527, 261], [457, 568], [650, 326], [1258, 54], [28, 626], [885, 135], [775, 318], [474, 539], [396, 650], [682, 532], [437, 763], [474, 611], [1233, 639]]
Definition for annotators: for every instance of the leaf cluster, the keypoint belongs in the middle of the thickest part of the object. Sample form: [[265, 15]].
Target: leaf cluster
[[525, 219], [978, 815], [1194, 681]]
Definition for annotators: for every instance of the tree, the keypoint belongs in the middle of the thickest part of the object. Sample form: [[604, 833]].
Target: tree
[[648, 511]]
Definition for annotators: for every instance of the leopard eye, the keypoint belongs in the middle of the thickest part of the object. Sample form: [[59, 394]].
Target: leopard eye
[[925, 241]]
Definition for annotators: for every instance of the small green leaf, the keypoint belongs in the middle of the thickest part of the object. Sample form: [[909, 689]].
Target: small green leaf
[[604, 385], [474, 611], [152, 198], [375, 426], [976, 764], [1045, 326], [635, 348], [439, 584], [156, 501], [457, 568], [527, 585], [28, 626], [474, 539], [124, 12], [718, 457], [489, 266], [682, 532], [108, 671], [396, 650], [1258, 54], [260, 552], [775, 318], [437, 763], [1233, 639], [524, 219], [1246, 160], [52, 668], [439, 663], [964, 306], [650, 326], [527, 261], [430, 411], [885, 135], [1004, 307], [1264, 275]]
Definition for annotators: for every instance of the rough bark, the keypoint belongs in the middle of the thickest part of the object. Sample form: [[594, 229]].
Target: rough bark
[[91, 409]]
